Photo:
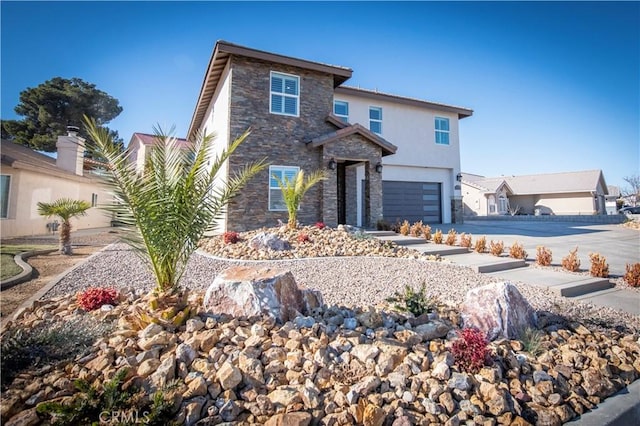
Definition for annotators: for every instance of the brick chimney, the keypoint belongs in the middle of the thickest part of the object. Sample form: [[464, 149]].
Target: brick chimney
[[70, 151]]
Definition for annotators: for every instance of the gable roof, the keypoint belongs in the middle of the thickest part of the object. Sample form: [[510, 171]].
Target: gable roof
[[219, 58], [148, 139], [375, 95], [547, 183], [22, 157], [351, 129]]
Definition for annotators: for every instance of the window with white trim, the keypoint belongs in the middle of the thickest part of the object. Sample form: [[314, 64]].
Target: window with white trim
[[442, 131], [503, 206], [285, 94], [5, 183], [276, 203], [341, 110], [375, 120]]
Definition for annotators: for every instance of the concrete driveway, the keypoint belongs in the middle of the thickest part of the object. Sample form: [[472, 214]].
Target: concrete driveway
[[618, 244]]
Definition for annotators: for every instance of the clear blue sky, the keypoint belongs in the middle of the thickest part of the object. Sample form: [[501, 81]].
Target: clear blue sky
[[554, 86]]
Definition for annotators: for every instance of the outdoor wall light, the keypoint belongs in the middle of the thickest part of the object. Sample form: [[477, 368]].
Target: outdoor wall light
[[459, 177], [379, 167], [332, 164]]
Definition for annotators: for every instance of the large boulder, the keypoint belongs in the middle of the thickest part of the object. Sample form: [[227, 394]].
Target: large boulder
[[499, 310], [248, 291], [268, 241]]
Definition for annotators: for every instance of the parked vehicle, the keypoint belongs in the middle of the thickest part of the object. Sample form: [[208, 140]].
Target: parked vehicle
[[629, 210]]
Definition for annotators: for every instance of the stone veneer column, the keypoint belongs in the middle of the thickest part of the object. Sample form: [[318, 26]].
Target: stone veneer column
[[375, 195], [457, 209], [329, 194]]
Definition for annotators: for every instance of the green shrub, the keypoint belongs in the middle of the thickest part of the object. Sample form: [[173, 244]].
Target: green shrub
[[48, 342], [112, 404], [416, 302], [531, 339]]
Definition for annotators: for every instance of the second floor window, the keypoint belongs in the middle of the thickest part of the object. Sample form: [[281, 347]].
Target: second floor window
[[285, 94], [341, 110], [5, 182], [375, 120], [442, 131]]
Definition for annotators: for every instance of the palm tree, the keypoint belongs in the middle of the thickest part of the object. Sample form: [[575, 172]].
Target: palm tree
[[294, 189], [65, 209], [170, 206]]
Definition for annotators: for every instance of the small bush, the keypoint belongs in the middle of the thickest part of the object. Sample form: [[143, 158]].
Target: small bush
[[94, 297], [452, 237], [416, 302], [465, 240], [437, 237], [470, 350], [303, 238], [320, 225], [632, 274], [404, 228], [571, 262], [531, 339], [496, 248], [95, 404], [416, 229], [383, 225], [599, 267], [396, 226], [230, 237], [481, 245], [361, 235], [49, 342], [426, 232], [543, 256], [517, 251]]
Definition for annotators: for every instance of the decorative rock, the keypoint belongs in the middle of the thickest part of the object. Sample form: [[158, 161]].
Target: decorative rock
[[197, 387], [229, 376], [595, 384], [24, 418], [350, 323], [150, 331], [246, 291], [432, 330], [365, 352], [441, 371], [285, 395], [186, 353], [540, 375], [459, 381], [165, 372], [499, 310], [304, 322], [367, 385], [148, 367], [194, 324], [268, 241], [192, 411], [229, 411], [373, 416], [300, 418]]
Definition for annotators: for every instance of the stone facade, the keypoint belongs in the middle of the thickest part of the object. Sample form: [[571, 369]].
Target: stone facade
[[282, 141], [279, 139]]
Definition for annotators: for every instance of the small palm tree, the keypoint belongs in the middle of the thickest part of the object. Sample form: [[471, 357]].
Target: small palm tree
[[293, 191], [169, 208], [65, 209]]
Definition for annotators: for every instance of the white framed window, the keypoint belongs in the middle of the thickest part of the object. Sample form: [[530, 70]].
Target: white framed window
[[341, 110], [5, 184], [276, 203], [375, 120], [284, 94], [442, 131], [94, 200]]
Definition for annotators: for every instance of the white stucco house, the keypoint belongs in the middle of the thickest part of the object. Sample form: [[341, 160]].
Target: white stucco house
[[567, 193], [386, 156], [139, 148], [28, 177]]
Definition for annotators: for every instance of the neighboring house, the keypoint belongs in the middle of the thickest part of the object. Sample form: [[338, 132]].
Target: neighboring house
[[611, 199], [569, 193], [138, 148], [28, 177], [386, 156]]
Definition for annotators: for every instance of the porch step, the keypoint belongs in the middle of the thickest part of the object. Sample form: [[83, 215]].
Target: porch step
[[485, 264], [439, 249], [381, 233], [581, 287], [401, 240]]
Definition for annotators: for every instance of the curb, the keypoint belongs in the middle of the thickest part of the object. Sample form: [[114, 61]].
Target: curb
[[38, 294], [620, 409], [27, 270]]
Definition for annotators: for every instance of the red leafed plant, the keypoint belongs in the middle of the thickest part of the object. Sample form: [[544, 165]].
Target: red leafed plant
[[94, 297], [320, 225], [303, 238], [230, 237], [470, 350]]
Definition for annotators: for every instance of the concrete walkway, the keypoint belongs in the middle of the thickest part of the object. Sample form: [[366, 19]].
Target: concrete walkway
[[619, 243]]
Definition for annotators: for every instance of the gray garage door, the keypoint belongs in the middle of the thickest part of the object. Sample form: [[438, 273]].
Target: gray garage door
[[412, 201]]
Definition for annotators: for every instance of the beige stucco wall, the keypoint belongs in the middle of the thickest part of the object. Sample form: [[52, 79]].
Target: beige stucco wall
[[563, 204], [216, 123], [27, 188], [474, 201], [526, 203]]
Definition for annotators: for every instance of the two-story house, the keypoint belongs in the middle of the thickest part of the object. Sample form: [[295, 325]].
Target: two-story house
[[386, 156]]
